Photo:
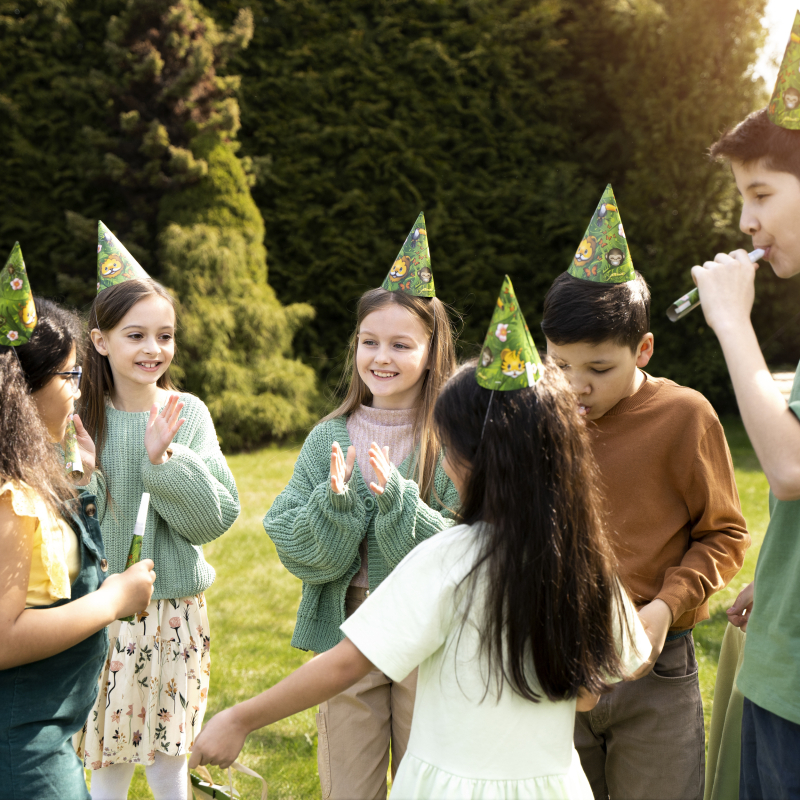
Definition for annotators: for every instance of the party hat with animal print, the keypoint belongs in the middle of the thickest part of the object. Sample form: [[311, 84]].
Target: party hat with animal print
[[509, 359], [411, 270], [603, 255], [784, 105], [17, 309], [114, 263]]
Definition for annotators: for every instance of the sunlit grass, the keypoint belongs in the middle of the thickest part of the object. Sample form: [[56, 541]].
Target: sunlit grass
[[252, 607]]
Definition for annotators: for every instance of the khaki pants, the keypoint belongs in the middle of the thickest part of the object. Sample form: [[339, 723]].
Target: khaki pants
[[645, 739], [358, 727]]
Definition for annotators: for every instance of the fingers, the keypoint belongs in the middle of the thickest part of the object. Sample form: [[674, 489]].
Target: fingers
[[351, 460], [79, 429], [195, 757], [376, 488]]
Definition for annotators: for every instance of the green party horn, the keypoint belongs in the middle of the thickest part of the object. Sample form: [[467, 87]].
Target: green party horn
[[72, 455], [688, 302], [135, 553]]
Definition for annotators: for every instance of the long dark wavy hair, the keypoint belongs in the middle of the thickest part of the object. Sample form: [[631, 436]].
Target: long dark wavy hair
[[545, 566], [108, 309], [432, 313], [26, 452]]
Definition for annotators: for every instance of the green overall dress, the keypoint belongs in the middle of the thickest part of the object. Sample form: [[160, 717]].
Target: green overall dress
[[44, 703]]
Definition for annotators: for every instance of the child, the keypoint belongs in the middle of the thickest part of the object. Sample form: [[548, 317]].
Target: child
[[515, 617], [764, 153], [673, 508], [155, 685], [344, 522], [54, 603]]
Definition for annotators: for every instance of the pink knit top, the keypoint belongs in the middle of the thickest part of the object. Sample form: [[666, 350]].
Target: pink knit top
[[388, 428]]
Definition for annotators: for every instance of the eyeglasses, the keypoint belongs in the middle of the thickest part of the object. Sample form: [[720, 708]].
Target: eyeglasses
[[74, 377]]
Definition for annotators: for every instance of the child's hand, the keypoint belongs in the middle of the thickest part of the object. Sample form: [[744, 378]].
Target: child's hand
[[656, 618], [161, 429], [727, 289], [130, 591], [341, 470], [739, 613], [220, 741], [87, 450], [379, 458]]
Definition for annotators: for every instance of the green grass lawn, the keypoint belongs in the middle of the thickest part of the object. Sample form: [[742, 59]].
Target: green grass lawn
[[253, 602]]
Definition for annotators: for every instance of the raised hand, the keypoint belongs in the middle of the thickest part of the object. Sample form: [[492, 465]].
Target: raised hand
[[379, 458], [87, 450], [341, 469], [161, 429]]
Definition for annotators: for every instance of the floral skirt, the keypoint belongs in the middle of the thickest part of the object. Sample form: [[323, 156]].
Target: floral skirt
[[154, 687]]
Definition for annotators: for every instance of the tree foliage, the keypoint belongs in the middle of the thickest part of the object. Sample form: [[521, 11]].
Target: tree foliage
[[502, 119]]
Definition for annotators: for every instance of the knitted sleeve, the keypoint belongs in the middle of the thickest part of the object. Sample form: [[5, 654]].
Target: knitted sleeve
[[194, 491], [316, 532], [404, 519]]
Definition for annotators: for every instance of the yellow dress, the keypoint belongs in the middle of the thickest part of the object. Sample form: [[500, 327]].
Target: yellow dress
[[55, 557]]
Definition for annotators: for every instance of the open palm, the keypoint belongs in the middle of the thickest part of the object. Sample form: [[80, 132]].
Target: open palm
[[161, 429]]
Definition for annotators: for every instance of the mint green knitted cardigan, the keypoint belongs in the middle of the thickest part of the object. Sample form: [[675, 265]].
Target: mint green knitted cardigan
[[193, 498], [317, 532]]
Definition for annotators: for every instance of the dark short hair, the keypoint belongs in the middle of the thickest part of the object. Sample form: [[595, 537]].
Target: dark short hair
[[757, 137], [576, 310]]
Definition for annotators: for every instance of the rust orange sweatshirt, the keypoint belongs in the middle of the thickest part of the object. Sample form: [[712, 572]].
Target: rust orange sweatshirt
[[673, 507]]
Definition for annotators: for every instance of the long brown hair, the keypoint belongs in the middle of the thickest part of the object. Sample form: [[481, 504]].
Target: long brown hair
[[108, 309], [26, 452], [545, 560], [432, 313]]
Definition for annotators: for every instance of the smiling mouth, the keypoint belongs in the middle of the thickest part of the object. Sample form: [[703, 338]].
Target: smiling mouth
[[382, 374], [148, 365]]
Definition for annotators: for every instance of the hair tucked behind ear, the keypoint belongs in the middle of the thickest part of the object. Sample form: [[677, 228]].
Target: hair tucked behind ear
[[441, 363], [26, 453], [108, 309], [545, 563]]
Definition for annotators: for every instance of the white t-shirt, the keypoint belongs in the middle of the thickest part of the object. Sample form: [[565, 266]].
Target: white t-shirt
[[462, 744]]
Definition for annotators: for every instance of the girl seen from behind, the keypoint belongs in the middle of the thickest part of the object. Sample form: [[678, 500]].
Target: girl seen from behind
[[515, 617], [54, 601], [149, 438], [349, 516]]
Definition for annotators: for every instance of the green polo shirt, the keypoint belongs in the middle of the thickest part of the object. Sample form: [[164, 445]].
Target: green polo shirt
[[770, 675]]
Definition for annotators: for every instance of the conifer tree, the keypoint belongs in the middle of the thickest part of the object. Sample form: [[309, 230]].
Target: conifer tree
[[183, 206]]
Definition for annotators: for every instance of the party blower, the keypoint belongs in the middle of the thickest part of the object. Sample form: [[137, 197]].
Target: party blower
[[688, 302], [135, 553]]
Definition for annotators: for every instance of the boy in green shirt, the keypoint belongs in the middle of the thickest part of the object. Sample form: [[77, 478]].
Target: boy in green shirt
[[764, 153]]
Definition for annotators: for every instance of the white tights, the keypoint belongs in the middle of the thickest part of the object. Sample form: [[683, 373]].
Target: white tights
[[166, 777]]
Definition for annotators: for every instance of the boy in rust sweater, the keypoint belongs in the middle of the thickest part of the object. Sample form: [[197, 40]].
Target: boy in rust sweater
[[673, 514]]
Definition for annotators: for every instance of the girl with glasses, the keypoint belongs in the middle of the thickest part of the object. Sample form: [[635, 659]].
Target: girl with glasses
[[54, 601]]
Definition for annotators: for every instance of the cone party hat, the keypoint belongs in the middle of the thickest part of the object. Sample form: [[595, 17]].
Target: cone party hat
[[114, 263], [17, 309], [603, 255], [784, 105], [411, 270], [509, 359]]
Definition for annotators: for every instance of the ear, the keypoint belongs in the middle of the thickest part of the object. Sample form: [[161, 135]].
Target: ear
[[98, 340], [644, 352]]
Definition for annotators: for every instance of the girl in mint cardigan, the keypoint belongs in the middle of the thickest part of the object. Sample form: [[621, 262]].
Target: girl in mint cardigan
[[349, 516], [154, 689]]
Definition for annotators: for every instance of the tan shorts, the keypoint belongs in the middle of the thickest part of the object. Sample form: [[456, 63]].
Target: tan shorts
[[645, 739], [359, 727]]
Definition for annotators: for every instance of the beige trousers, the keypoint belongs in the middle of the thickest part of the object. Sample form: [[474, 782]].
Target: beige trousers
[[359, 727]]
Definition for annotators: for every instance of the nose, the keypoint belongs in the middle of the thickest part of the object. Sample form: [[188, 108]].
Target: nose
[[748, 222], [151, 346], [383, 356]]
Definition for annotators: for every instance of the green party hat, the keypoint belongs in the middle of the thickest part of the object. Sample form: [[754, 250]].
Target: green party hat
[[784, 105], [17, 309], [411, 270], [509, 359], [603, 255], [114, 263]]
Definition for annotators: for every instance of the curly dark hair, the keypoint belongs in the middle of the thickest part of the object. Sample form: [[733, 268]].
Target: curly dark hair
[[26, 452]]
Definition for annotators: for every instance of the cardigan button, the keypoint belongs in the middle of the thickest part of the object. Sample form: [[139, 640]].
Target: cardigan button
[[104, 565], [369, 504], [91, 510]]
